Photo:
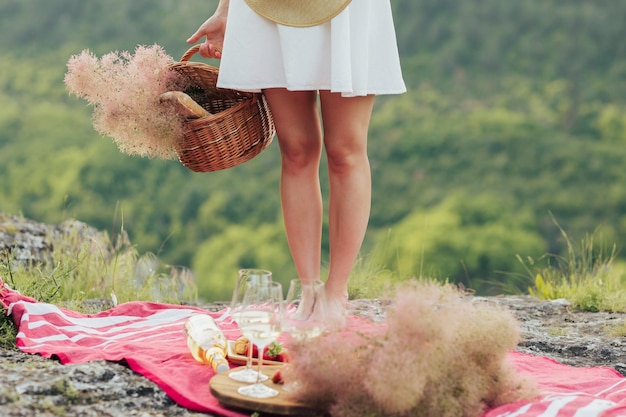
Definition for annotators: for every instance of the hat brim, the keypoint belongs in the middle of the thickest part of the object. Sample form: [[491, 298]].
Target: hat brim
[[299, 13]]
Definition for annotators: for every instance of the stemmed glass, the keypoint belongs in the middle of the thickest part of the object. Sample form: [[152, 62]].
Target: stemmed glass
[[305, 314], [305, 309], [247, 278], [260, 321]]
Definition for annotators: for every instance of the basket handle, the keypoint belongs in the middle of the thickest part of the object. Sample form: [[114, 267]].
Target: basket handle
[[192, 51]]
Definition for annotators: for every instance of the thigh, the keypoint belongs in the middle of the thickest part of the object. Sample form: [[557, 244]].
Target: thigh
[[345, 119], [296, 116]]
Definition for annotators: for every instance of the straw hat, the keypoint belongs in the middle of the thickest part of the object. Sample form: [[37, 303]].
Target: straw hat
[[300, 13]]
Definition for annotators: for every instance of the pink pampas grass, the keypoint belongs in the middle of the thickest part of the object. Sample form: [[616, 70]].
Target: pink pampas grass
[[124, 89], [439, 354]]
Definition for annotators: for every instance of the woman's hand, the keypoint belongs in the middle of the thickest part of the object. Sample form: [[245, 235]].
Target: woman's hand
[[213, 28]]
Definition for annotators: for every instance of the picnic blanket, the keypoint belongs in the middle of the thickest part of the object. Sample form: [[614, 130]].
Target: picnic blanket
[[149, 337]]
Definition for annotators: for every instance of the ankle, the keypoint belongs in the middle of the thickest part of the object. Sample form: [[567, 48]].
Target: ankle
[[335, 288], [340, 297]]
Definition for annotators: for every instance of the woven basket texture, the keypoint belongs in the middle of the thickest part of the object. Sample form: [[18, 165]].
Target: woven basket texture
[[239, 127]]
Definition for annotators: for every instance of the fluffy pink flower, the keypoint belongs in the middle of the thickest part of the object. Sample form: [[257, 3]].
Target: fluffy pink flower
[[124, 89], [438, 354]]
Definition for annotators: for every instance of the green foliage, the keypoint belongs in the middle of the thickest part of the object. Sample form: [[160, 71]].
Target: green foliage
[[611, 124], [220, 257], [515, 110], [464, 239], [369, 280], [85, 266], [544, 290], [7, 332], [588, 277]]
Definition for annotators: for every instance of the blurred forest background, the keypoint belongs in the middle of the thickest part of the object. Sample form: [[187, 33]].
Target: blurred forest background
[[515, 120]]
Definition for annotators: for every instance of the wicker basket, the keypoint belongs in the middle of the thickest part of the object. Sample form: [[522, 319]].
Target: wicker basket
[[239, 128]]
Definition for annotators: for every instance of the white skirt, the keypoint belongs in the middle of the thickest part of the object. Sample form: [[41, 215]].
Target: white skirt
[[354, 54]]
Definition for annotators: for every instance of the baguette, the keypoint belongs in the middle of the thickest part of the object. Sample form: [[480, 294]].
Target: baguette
[[183, 104]]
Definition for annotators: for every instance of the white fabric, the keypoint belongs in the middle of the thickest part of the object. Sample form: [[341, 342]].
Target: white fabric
[[354, 54]]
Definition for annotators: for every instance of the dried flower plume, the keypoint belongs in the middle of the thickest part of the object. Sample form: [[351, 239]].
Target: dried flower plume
[[438, 354], [124, 89]]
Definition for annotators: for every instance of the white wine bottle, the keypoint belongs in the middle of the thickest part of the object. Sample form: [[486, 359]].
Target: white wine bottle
[[206, 342]]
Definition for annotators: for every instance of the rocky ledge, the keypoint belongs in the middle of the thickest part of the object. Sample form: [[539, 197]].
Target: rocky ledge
[[31, 385]]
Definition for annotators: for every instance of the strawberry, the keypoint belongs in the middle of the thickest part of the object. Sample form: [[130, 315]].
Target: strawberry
[[275, 352], [277, 378], [283, 356]]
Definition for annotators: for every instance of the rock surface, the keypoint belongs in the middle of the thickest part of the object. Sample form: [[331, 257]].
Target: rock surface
[[573, 337], [31, 385], [25, 241]]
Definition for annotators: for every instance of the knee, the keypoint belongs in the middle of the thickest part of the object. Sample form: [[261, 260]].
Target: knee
[[345, 159], [299, 155]]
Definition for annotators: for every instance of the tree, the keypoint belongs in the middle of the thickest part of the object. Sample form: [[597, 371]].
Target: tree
[[467, 239]]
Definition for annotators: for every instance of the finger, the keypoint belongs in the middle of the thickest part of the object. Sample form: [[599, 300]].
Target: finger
[[215, 51], [210, 50], [205, 50], [195, 37]]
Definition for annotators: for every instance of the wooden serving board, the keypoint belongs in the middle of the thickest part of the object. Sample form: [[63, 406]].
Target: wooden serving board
[[225, 390], [236, 359]]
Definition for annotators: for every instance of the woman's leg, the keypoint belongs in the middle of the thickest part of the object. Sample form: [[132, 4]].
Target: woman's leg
[[297, 124], [346, 123]]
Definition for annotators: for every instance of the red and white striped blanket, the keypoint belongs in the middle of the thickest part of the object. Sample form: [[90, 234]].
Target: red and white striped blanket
[[149, 337]]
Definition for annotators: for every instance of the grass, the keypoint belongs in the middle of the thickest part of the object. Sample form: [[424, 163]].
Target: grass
[[369, 280], [7, 333], [588, 276], [86, 265], [617, 330]]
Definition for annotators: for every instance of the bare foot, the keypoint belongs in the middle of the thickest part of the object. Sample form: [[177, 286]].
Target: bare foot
[[336, 312], [306, 307]]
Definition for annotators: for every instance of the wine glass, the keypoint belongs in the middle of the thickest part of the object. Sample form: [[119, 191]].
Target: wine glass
[[246, 279], [260, 321], [305, 309]]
